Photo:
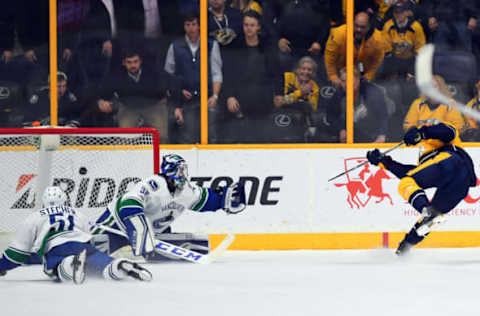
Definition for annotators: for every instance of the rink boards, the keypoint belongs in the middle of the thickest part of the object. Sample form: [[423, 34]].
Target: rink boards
[[291, 204]]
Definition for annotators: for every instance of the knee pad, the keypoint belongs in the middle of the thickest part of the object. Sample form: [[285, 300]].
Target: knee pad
[[407, 187], [139, 233]]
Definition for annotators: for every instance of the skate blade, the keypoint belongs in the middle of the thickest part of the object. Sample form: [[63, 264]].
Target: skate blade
[[79, 265]]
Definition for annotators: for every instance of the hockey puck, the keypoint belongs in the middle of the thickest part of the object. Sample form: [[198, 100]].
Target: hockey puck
[[82, 170]]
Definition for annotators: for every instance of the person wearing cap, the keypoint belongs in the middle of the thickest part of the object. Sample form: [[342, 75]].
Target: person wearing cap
[[403, 35]]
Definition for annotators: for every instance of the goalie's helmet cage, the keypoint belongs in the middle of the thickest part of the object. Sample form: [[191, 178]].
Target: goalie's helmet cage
[[53, 196], [175, 168]]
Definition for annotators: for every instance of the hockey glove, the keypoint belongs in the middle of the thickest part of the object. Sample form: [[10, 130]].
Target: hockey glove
[[414, 135], [233, 198], [374, 156], [3, 272]]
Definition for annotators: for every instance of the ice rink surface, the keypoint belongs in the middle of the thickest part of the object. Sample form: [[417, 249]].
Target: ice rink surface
[[347, 282]]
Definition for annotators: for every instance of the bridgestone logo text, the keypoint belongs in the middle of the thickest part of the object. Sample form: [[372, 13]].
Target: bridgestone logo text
[[102, 192], [99, 192]]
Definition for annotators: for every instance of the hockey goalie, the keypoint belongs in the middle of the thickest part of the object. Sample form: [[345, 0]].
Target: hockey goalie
[[143, 215]]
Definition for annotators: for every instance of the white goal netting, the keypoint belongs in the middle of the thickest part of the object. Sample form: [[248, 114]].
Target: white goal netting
[[93, 166]]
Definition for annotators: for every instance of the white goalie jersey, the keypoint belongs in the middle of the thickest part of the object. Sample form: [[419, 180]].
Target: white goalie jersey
[[47, 228], [160, 206]]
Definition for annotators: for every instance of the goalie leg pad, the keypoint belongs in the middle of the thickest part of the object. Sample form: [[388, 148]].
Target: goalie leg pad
[[139, 234]]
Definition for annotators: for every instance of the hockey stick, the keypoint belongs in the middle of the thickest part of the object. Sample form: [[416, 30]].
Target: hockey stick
[[424, 78], [365, 162], [178, 252]]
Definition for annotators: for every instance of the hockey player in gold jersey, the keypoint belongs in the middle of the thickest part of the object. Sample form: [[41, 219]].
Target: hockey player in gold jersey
[[442, 164]]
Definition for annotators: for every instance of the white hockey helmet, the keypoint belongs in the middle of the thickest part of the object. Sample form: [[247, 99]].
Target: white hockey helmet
[[53, 196]]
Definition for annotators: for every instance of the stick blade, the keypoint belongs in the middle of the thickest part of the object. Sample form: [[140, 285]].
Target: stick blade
[[424, 80], [221, 248]]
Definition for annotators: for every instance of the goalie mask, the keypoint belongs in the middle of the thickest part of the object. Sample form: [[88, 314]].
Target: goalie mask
[[174, 167], [53, 196]]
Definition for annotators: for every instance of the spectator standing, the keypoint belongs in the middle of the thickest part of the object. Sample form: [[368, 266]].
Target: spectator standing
[[99, 49], [32, 30], [301, 29], [150, 25], [7, 33], [33, 34], [248, 89], [247, 5], [183, 61], [403, 39], [451, 23], [338, 9], [224, 22], [368, 50], [370, 117], [188, 6]]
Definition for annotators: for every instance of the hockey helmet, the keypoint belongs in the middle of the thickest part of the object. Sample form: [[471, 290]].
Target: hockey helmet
[[174, 167], [53, 196]]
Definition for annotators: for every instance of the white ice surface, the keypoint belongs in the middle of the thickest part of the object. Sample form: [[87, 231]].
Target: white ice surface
[[348, 282]]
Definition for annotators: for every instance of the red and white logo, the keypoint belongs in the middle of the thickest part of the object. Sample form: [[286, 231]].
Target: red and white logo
[[364, 183]]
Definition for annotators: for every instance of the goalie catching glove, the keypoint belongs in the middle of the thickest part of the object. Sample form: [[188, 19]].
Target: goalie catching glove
[[233, 198]]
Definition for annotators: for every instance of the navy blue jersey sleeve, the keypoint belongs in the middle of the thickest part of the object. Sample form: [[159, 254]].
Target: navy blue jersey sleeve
[[210, 201], [441, 131]]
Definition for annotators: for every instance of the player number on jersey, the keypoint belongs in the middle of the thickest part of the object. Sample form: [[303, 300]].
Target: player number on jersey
[[59, 221]]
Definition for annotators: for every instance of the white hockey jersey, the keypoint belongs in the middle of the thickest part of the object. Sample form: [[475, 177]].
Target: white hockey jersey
[[45, 229], [160, 206]]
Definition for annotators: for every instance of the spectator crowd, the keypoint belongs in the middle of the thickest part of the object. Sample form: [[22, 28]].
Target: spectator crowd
[[276, 68]]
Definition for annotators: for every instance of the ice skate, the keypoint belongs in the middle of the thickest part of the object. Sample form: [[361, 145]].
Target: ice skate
[[403, 248], [79, 264], [134, 270]]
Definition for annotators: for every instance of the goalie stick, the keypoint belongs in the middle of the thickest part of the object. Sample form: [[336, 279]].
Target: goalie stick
[[178, 252], [424, 79], [365, 162]]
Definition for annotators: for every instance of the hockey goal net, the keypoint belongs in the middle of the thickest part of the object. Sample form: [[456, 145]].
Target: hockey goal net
[[92, 165]]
